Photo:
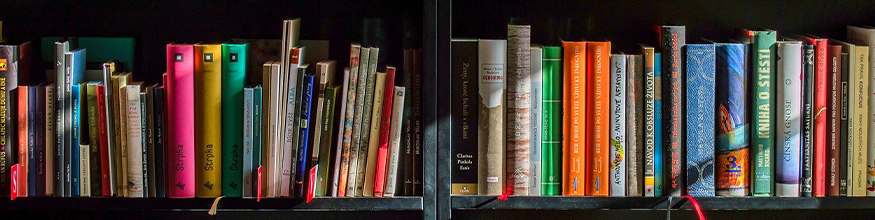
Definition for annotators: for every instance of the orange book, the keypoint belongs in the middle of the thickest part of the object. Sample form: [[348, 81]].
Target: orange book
[[574, 115], [597, 117]]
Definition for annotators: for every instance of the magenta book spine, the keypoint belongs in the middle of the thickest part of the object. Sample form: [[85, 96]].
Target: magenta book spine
[[180, 123]]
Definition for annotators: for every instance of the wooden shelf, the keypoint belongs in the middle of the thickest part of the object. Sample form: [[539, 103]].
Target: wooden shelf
[[226, 204]]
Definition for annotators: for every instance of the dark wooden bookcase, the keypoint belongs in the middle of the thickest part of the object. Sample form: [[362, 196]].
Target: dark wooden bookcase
[[153, 24], [627, 23]]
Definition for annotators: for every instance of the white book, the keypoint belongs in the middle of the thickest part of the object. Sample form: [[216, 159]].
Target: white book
[[268, 148], [537, 59], [789, 112], [866, 36], [394, 141], [134, 140], [84, 171], [290, 128], [339, 125], [618, 125], [247, 142], [492, 73]]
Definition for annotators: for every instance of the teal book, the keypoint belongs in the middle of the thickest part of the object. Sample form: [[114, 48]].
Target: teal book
[[233, 81], [762, 92], [76, 156], [658, 175], [256, 136]]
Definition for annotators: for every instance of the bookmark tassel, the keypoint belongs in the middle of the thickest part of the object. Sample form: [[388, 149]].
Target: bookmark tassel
[[215, 205]]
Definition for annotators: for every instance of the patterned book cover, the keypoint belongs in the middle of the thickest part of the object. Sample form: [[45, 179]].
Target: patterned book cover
[[208, 119], [807, 132], [762, 108], [180, 121], [367, 119], [519, 107], [649, 127], [537, 70], [820, 114], [373, 142], [672, 39], [866, 36], [700, 69], [574, 151], [492, 67], [355, 141], [551, 147], [233, 78], [618, 125], [349, 119], [598, 88], [787, 167], [8, 82], [394, 142], [634, 125], [834, 102], [732, 149]]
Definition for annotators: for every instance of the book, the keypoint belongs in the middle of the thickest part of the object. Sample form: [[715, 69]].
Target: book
[[358, 99], [417, 132], [598, 117], [208, 119], [846, 152], [833, 119], [537, 114], [618, 125], [787, 167], [325, 150], [865, 36], [257, 134], [464, 113], [857, 117], [64, 107], [118, 82], [405, 158], [80, 124], [807, 121], [160, 139], [303, 149], [385, 121], [8, 83], [76, 156], [94, 140], [233, 79], [519, 107], [374, 134], [321, 79], [143, 142], [732, 149], [819, 114], [649, 120], [291, 147], [338, 132], [23, 93], [270, 74], [394, 142], [180, 121], [110, 78], [248, 153], [367, 120], [573, 115], [74, 71], [40, 158], [551, 139], [634, 125], [147, 103], [349, 120], [658, 149], [672, 40], [492, 67], [102, 140], [131, 93], [763, 106], [51, 156], [700, 86]]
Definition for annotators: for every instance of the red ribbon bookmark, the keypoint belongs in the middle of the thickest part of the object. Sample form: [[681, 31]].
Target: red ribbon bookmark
[[696, 207], [258, 199], [311, 187]]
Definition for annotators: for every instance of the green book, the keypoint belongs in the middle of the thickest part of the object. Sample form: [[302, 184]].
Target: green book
[[94, 140], [233, 81], [551, 138], [763, 112], [326, 156]]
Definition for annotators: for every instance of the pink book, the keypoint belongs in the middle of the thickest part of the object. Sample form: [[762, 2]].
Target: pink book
[[383, 151], [180, 121]]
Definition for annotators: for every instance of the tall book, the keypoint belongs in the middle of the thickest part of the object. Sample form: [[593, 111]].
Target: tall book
[[320, 82], [658, 148], [357, 98], [74, 72], [464, 114], [94, 140], [858, 76], [833, 119], [634, 125], [290, 124], [394, 142], [325, 149], [270, 73], [416, 168], [700, 86], [374, 135], [492, 67], [574, 129], [40, 139], [233, 78], [145, 151], [180, 121], [50, 154], [618, 125], [865, 36], [598, 117], [109, 112], [367, 120], [339, 131], [64, 107], [23, 93], [385, 122], [8, 83], [649, 127], [80, 137], [148, 103], [807, 121], [764, 84], [208, 119], [732, 149], [306, 109], [349, 120], [519, 107], [672, 40], [551, 138], [119, 149], [537, 115], [131, 94], [787, 167], [103, 129]]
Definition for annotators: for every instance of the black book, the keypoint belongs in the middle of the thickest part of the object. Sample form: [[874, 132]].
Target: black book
[[843, 129], [673, 40], [416, 97], [807, 120], [464, 117], [150, 139], [9, 76], [159, 122], [405, 157], [40, 141]]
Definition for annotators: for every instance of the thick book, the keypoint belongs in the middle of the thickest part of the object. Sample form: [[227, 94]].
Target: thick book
[[349, 120], [159, 119], [649, 120], [763, 106], [464, 115], [672, 40], [634, 125], [23, 93], [519, 107], [865, 36], [208, 119], [8, 83], [374, 135], [618, 125], [537, 114], [551, 138], [338, 133], [573, 116], [247, 165], [325, 149], [303, 149], [807, 121], [659, 176], [367, 128], [394, 142], [358, 99], [180, 122], [385, 122], [787, 167], [131, 93], [833, 119], [94, 140], [820, 113], [598, 87], [858, 85], [492, 70], [233, 79], [699, 106], [732, 151]]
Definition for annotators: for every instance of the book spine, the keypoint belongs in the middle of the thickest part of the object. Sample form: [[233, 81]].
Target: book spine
[[24, 141], [634, 125], [551, 139], [866, 36], [149, 125], [247, 144], [269, 99], [306, 106], [119, 149], [320, 79], [160, 123], [658, 150], [208, 120], [8, 83], [52, 159], [649, 125], [357, 96], [325, 151], [618, 125], [374, 135], [406, 154], [339, 125], [291, 125], [108, 124], [81, 115], [673, 38], [807, 137], [598, 117], [84, 179], [834, 90], [492, 66], [94, 141], [134, 139], [385, 122], [145, 152], [416, 87], [62, 129], [464, 113], [787, 168], [573, 115], [821, 94], [103, 137], [180, 122], [732, 150], [394, 142], [349, 120], [845, 154], [364, 150], [763, 112], [40, 140], [233, 78], [519, 107], [700, 69], [537, 115], [858, 122], [257, 134], [75, 151]]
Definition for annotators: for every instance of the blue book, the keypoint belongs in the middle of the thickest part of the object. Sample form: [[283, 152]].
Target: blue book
[[303, 139], [31, 139], [74, 127], [700, 119], [657, 121], [732, 151], [74, 74]]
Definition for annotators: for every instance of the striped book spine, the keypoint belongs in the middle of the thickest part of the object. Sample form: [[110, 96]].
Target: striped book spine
[[551, 147], [649, 122], [519, 107]]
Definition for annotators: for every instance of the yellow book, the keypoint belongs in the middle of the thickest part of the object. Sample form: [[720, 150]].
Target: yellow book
[[121, 157], [208, 119], [860, 88], [374, 138]]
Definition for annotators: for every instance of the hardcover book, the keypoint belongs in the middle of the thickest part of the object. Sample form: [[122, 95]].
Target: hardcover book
[[464, 114], [8, 83], [208, 119], [597, 117], [536, 68], [865, 36], [762, 108], [492, 67], [573, 116], [807, 121], [733, 130], [833, 119], [551, 138], [819, 112], [672, 40], [618, 125], [649, 127], [180, 121], [233, 78], [110, 79], [787, 167], [700, 73], [857, 117], [519, 107], [634, 125], [148, 103]]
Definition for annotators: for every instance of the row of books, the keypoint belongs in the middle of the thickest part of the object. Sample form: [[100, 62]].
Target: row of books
[[308, 129], [757, 115]]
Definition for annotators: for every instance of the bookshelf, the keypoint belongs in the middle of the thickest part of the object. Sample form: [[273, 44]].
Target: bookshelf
[[153, 24], [627, 23]]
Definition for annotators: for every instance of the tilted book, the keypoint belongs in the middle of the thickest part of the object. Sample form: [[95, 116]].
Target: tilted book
[[618, 125], [598, 117], [325, 149], [492, 69], [865, 36], [733, 130], [338, 132], [634, 125], [762, 108], [700, 71], [551, 138], [519, 107], [672, 40], [394, 142], [349, 119], [208, 119], [537, 114], [374, 135], [464, 115], [649, 115], [233, 78], [180, 121], [573, 117], [787, 166], [357, 97]]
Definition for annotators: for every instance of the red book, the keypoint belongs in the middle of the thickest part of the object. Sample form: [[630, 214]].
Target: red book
[[104, 145], [383, 151], [820, 88], [22, 140], [598, 56], [180, 121], [833, 120]]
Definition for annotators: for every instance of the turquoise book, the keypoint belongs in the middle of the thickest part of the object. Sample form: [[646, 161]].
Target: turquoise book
[[76, 156], [233, 81], [658, 175]]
